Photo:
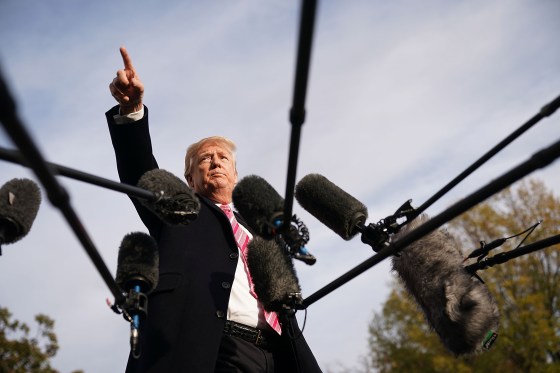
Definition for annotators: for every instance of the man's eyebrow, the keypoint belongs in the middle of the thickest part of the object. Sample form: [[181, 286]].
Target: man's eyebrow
[[203, 155], [219, 152]]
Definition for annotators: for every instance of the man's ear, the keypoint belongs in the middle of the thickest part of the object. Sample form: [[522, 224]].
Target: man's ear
[[189, 180]]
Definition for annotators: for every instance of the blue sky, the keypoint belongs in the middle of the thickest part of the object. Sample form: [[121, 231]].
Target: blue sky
[[402, 96]]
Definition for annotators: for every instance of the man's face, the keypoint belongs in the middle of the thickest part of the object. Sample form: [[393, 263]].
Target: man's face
[[213, 172]]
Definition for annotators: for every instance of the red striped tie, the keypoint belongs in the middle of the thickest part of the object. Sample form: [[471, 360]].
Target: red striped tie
[[242, 239]]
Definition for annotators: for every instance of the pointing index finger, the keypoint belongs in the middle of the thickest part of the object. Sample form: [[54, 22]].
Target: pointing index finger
[[126, 59]]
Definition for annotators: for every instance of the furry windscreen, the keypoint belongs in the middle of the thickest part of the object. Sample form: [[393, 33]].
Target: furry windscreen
[[177, 203], [334, 207], [273, 274], [259, 203], [138, 260], [19, 204], [456, 304]]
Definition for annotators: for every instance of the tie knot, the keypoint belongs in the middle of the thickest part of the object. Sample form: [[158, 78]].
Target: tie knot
[[227, 210]]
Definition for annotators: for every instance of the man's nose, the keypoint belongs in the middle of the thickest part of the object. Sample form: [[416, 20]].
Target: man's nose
[[216, 162]]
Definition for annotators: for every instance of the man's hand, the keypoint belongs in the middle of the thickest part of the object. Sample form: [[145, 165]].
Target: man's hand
[[127, 88]]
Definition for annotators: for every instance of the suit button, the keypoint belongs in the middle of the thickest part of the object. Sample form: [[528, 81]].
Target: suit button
[[220, 314], [226, 285], [233, 255]]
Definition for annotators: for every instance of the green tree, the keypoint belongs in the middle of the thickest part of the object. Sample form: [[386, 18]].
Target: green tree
[[22, 353], [526, 288]]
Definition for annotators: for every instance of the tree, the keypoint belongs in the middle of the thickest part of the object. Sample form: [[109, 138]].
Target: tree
[[526, 288], [21, 353]]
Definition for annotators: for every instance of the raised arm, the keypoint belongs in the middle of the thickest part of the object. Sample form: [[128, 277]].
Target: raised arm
[[126, 87]]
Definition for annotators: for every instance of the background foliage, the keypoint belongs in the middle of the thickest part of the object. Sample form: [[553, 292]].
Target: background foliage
[[22, 351]]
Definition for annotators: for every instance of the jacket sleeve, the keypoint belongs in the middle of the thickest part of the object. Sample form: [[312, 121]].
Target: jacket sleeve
[[133, 152]]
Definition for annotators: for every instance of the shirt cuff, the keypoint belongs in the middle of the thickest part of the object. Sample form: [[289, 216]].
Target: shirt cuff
[[129, 118]]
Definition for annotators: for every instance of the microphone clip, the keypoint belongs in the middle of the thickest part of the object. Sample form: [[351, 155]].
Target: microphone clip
[[378, 235], [177, 209], [294, 238], [293, 303], [136, 303]]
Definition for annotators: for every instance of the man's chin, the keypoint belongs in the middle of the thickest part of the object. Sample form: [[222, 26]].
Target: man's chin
[[218, 183]]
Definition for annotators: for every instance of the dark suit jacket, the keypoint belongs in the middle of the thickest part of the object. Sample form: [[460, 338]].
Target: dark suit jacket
[[187, 310]]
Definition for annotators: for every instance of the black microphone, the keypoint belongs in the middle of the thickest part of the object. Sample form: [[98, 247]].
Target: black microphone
[[335, 208], [19, 204], [137, 274], [274, 275], [456, 304], [262, 208], [176, 202], [260, 205]]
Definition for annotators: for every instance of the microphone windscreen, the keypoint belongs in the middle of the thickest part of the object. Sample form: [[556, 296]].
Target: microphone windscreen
[[19, 204], [138, 262], [176, 202], [259, 204], [273, 275], [457, 305], [333, 207]]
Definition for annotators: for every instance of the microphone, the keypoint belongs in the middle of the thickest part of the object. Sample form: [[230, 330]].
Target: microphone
[[274, 275], [457, 305], [331, 205], [19, 204], [176, 203], [137, 274], [263, 209], [260, 205]]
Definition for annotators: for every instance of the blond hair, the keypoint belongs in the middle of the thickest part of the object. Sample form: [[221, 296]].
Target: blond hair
[[193, 149]]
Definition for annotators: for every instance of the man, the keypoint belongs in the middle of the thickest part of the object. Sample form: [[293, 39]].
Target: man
[[203, 316]]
